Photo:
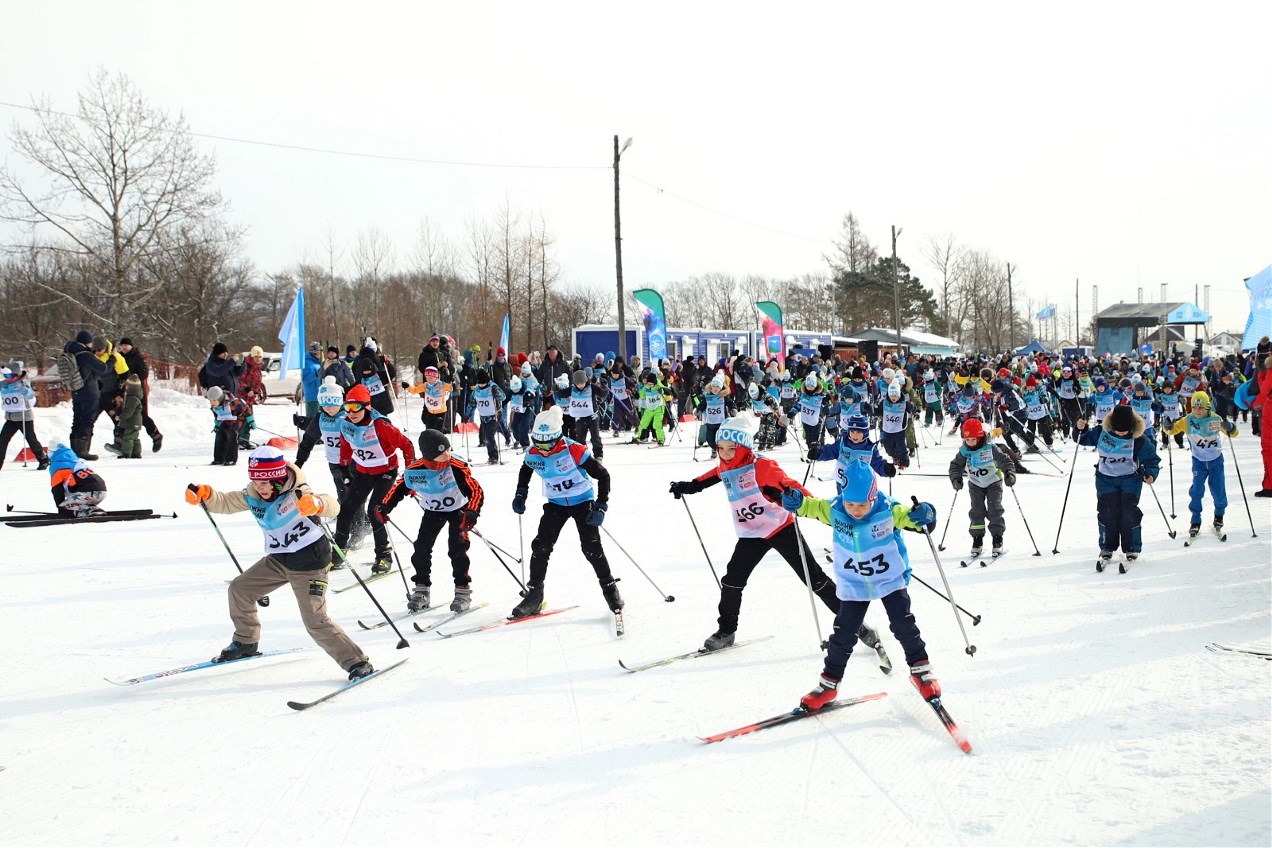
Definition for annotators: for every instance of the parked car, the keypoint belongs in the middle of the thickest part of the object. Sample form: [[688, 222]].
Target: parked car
[[287, 389]]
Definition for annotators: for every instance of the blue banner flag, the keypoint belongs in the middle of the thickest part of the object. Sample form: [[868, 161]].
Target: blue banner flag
[[503, 336], [292, 335]]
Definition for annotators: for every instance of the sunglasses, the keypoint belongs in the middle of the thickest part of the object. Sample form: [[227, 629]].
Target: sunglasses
[[354, 406]]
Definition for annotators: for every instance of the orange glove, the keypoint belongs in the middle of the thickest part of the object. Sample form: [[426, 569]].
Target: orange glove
[[197, 493], [309, 505]]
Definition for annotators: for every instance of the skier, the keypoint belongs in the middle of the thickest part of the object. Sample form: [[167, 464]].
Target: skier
[[897, 411], [811, 415], [754, 485], [229, 412], [451, 497], [764, 406], [368, 455], [325, 427], [487, 401], [871, 563], [1204, 428], [567, 470], [1168, 412], [932, 394], [435, 394], [298, 554], [1037, 410], [988, 466], [17, 399], [1070, 392], [76, 488], [714, 402], [1127, 460], [621, 389], [585, 405], [853, 445], [523, 405], [652, 402]]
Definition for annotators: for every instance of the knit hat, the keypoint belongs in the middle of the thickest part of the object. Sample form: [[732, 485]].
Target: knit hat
[[740, 430], [718, 380], [1099, 382], [100, 343], [973, 428], [315, 345], [859, 423], [433, 443], [1200, 399], [219, 348], [329, 394], [514, 384], [432, 369], [1122, 418], [547, 426], [434, 338], [330, 349], [1031, 382], [860, 483], [894, 389], [84, 337], [525, 369], [501, 352], [266, 463], [578, 377], [358, 394], [481, 376], [255, 351], [810, 382], [126, 341], [215, 393]]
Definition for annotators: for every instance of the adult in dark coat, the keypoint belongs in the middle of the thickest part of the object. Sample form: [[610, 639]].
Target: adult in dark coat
[[84, 401], [436, 354], [373, 372], [553, 366], [221, 370], [335, 366]]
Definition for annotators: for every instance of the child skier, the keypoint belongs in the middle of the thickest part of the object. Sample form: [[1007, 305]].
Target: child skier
[[523, 405], [487, 401], [897, 411], [1127, 460], [652, 402], [714, 402], [988, 466], [567, 469], [585, 406], [130, 419], [229, 413], [325, 428], [621, 388], [811, 414], [854, 445], [368, 454], [871, 563], [1168, 412], [76, 488], [1037, 409], [435, 394], [754, 485], [933, 391], [297, 554], [764, 407], [17, 399], [1204, 428], [450, 497]]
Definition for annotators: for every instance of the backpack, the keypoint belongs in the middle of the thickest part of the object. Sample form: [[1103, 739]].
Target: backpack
[[68, 370], [204, 383]]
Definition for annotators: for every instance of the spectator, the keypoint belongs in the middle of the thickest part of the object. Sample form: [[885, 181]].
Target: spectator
[[311, 377], [221, 370], [253, 383], [336, 367], [85, 399]]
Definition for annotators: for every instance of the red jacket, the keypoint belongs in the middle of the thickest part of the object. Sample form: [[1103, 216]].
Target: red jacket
[[391, 439], [769, 476]]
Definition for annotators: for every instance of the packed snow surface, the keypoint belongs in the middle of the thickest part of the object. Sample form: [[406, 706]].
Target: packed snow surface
[[1096, 713]]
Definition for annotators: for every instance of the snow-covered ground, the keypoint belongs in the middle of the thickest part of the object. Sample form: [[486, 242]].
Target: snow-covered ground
[[1097, 714]]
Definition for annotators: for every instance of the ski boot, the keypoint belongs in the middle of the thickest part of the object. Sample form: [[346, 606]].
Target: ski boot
[[1105, 558], [997, 550], [1219, 524], [43, 462], [978, 545], [612, 598], [823, 693], [463, 599], [156, 442], [383, 562], [236, 651], [361, 669], [924, 680], [419, 600], [530, 604], [718, 640], [1193, 530], [1131, 556]]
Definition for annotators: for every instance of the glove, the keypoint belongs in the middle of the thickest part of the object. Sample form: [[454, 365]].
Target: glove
[[467, 520], [889, 470], [823, 693], [197, 493], [924, 515], [300, 421], [596, 514], [996, 432], [680, 488], [1228, 427], [1009, 479], [309, 505], [814, 453], [250, 421], [957, 483], [519, 500], [792, 499], [346, 474], [406, 385], [1148, 478]]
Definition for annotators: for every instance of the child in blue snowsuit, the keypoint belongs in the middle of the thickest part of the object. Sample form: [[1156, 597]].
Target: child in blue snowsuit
[[871, 563], [853, 445], [1204, 429], [1127, 460], [487, 401]]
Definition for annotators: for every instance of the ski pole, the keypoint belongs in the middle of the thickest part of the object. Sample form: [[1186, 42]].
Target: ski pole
[[10, 508], [976, 619], [1170, 532], [402, 643], [1241, 483], [494, 550], [521, 546], [667, 598], [948, 516], [1026, 520], [406, 410], [812, 462], [808, 578], [396, 558], [262, 601], [1170, 464], [700, 542], [1077, 448], [970, 649]]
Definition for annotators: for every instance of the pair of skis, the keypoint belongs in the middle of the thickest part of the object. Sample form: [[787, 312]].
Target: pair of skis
[[1218, 531], [52, 520], [409, 615], [1123, 564], [295, 705], [984, 563], [1217, 648]]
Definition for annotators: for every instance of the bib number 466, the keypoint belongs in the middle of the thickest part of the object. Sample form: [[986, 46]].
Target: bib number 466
[[748, 512]]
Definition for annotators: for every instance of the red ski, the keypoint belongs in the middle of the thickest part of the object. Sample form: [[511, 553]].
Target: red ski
[[794, 715], [953, 728], [506, 622]]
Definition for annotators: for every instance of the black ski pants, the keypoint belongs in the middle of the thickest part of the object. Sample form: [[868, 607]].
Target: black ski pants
[[747, 554], [583, 427], [27, 428], [361, 486], [849, 621], [456, 547], [554, 518]]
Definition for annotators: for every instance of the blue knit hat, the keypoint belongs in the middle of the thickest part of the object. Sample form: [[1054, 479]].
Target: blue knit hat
[[861, 485]]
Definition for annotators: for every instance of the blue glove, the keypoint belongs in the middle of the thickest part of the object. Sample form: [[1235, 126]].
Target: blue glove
[[596, 514], [1228, 427], [519, 500], [924, 515], [792, 500]]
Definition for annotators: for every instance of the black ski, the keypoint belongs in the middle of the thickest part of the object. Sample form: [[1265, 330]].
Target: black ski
[[701, 652], [448, 619], [88, 519], [794, 715], [40, 516], [1216, 648], [298, 705]]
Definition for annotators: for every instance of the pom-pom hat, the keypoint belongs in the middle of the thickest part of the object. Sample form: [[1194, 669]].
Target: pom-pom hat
[[266, 463]]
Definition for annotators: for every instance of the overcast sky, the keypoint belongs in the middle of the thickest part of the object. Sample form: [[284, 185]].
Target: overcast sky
[[1118, 144]]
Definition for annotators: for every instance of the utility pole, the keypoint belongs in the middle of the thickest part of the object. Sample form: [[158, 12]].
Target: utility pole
[[1011, 314], [896, 289], [1077, 325], [618, 254]]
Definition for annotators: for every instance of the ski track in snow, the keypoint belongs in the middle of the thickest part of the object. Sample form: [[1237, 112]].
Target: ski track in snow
[[1095, 713]]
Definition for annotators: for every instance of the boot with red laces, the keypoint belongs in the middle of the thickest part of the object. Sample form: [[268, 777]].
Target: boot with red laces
[[822, 695], [924, 680]]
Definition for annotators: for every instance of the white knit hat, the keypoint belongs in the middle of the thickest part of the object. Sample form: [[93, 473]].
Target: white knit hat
[[547, 425], [330, 394], [740, 430]]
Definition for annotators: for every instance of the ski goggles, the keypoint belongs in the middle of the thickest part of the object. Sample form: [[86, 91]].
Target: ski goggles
[[354, 406]]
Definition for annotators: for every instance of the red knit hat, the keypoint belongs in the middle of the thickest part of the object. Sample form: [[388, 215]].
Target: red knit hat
[[358, 394]]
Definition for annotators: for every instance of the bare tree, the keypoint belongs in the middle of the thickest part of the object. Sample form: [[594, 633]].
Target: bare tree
[[948, 257], [372, 258], [119, 174]]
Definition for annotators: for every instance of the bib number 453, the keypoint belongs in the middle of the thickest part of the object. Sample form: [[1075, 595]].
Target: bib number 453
[[867, 567]]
